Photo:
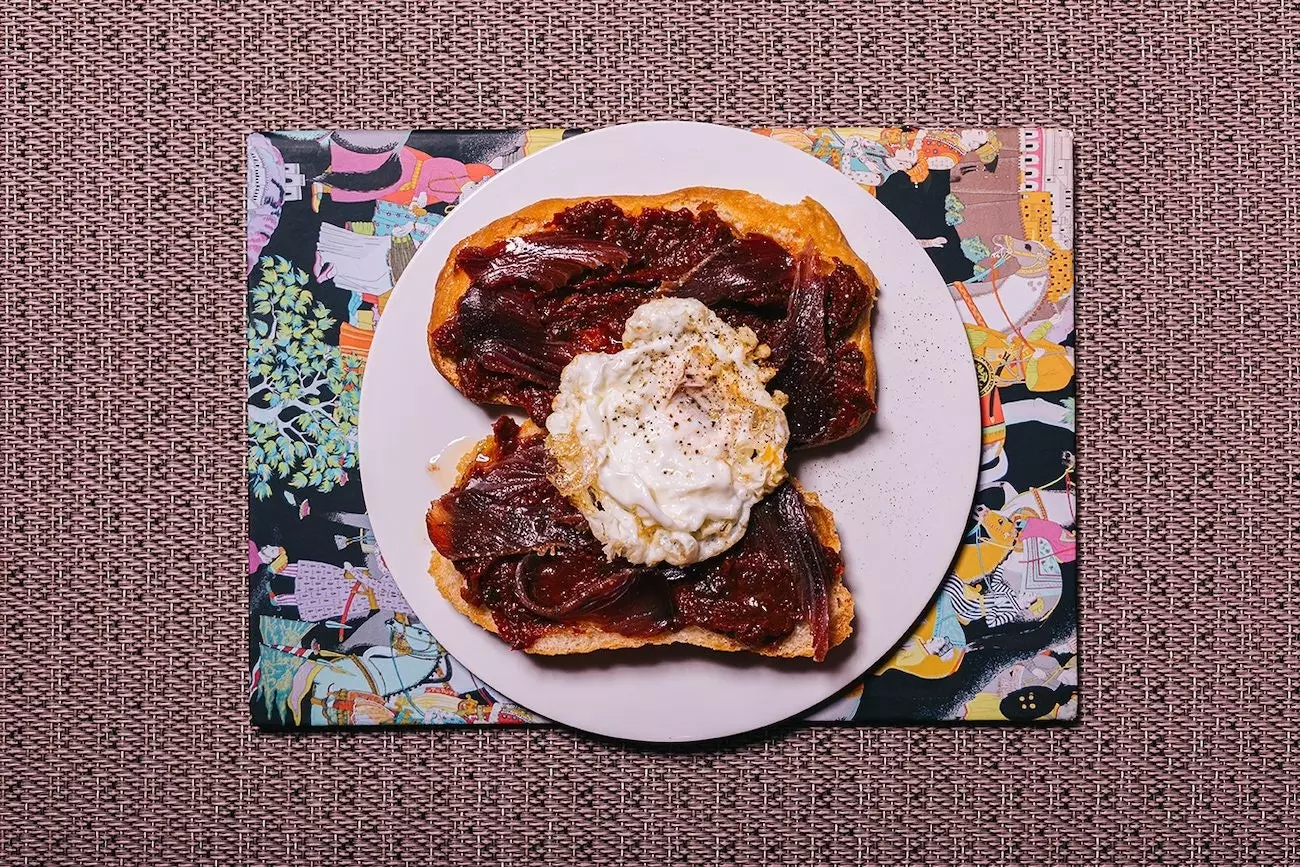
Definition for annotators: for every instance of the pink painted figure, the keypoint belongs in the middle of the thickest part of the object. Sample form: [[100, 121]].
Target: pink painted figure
[[1061, 540], [365, 167]]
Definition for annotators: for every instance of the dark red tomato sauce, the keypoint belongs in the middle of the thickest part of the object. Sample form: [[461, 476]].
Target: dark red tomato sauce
[[528, 556], [537, 301]]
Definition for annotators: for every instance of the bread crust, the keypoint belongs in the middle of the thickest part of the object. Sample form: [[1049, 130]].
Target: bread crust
[[791, 226], [585, 636]]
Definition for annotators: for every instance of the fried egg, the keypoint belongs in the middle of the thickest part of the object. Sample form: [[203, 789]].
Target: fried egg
[[666, 445]]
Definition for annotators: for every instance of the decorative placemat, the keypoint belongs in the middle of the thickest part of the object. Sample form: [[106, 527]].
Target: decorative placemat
[[333, 219]]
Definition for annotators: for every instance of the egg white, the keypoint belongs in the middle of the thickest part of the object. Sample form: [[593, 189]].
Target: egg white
[[665, 446]]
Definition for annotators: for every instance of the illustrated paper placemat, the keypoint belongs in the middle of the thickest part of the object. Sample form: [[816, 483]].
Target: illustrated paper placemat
[[335, 216]]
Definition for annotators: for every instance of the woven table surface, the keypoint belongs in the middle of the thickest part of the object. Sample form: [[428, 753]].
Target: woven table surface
[[126, 735]]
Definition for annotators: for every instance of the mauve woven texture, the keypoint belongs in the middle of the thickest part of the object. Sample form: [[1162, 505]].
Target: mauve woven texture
[[125, 731]]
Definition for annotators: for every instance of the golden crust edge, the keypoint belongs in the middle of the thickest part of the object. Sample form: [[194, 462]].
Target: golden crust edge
[[789, 225], [584, 637]]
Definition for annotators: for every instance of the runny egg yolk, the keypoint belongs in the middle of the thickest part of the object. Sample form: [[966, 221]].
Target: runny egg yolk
[[666, 445]]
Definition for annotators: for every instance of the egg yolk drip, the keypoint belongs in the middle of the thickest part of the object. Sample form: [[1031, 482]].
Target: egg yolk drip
[[666, 445]]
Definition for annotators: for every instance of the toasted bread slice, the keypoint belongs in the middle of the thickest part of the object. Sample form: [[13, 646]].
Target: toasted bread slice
[[791, 226], [584, 637]]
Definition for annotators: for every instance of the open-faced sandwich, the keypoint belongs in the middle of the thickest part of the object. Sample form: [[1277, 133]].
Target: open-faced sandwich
[[668, 350], [518, 299]]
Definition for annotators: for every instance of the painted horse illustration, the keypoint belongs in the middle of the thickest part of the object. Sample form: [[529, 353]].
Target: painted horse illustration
[[289, 673], [1009, 572], [1011, 288]]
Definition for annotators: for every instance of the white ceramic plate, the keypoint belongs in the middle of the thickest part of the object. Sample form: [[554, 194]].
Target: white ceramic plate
[[901, 491]]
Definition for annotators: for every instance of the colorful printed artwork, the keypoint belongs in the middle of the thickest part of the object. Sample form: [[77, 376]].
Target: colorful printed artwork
[[333, 219]]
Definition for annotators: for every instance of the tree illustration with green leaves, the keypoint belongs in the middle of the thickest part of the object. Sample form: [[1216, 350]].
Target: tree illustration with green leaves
[[303, 394]]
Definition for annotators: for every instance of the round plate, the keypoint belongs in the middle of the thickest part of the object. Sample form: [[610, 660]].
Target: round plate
[[901, 490]]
